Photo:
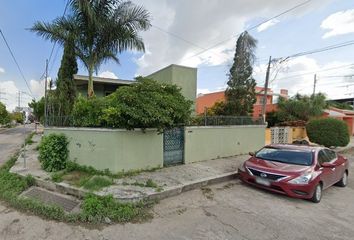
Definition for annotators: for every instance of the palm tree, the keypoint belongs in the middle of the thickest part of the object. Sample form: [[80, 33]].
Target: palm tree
[[101, 29]]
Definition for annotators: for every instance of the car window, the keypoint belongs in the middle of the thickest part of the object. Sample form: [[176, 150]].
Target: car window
[[322, 157], [289, 156], [330, 154]]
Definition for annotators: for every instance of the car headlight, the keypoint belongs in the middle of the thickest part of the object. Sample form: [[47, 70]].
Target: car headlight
[[303, 179]]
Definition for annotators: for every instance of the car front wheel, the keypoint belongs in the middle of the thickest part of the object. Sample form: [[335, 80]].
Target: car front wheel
[[344, 181], [317, 195]]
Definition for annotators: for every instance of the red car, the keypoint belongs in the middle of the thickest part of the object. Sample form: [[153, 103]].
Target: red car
[[295, 170]]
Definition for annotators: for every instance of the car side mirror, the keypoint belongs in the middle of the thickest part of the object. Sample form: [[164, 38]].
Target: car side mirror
[[251, 154], [327, 165]]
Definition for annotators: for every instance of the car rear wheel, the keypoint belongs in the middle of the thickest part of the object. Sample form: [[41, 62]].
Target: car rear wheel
[[317, 195], [344, 181]]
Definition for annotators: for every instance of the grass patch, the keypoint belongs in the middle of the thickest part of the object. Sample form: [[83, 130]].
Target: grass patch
[[94, 209], [28, 140], [149, 183], [97, 182]]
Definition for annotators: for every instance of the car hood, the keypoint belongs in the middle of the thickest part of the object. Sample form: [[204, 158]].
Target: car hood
[[275, 167]]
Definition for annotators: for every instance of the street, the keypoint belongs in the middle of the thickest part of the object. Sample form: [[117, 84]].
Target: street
[[229, 210], [11, 140]]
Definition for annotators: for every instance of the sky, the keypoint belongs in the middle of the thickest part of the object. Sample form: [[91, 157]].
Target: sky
[[182, 30]]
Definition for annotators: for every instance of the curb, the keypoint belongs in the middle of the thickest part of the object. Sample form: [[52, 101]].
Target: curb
[[67, 189], [174, 191]]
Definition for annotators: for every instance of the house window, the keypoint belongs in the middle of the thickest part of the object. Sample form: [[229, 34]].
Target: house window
[[262, 100]]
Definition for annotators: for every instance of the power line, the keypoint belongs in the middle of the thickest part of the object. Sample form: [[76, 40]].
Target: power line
[[14, 58], [327, 48], [248, 29], [312, 72]]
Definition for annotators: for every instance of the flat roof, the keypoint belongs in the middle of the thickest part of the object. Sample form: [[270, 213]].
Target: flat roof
[[104, 80]]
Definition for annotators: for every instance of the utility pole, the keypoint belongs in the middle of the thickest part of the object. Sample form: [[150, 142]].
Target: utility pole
[[264, 104], [314, 84], [45, 94]]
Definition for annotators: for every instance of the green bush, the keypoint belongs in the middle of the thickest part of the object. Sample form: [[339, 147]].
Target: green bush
[[147, 104], [329, 132], [87, 112], [144, 104], [53, 152], [4, 115]]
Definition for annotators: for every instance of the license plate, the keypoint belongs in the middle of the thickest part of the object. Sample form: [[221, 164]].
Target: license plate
[[263, 181]]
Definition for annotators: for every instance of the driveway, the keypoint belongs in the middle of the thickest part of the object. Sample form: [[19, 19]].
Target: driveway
[[11, 140], [230, 210]]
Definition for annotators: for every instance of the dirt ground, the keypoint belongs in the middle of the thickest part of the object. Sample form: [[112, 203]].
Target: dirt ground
[[230, 210]]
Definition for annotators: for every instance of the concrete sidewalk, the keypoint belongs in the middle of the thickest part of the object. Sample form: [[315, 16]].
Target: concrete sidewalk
[[164, 182]]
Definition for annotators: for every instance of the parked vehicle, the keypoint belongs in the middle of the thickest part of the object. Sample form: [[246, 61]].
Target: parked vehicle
[[298, 171]]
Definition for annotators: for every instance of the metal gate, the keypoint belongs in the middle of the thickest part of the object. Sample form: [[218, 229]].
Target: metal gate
[[173, 146]]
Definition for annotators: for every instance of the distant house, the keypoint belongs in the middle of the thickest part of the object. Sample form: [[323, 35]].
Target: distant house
[[345, 115], [209, 99], [184, 77]]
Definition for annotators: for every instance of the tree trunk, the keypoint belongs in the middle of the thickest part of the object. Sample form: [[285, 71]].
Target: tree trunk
[[90, 91]]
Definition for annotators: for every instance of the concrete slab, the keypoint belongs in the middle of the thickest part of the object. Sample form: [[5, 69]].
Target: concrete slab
[[67, 203]]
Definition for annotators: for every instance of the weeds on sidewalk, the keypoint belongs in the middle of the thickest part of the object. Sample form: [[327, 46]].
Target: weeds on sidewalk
[[28, 140], [94, 209]]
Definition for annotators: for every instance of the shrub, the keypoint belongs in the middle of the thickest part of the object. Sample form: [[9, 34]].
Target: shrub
[[53, 152], [147, 104], [4, 115], [87, 112], [328, 132]]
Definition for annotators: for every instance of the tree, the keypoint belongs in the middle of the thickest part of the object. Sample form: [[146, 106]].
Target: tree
[[4, 115], [101, 30], [240, 93], [38, 109], [301, 107], [65, 92]]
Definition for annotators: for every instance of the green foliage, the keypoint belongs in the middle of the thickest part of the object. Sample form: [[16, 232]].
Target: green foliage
[[301, 107], [97, 182], [147, 104], [17, 117], [38, 109], [97, 209], [66, 89], [335, 104], [328, 132], [273, 118], [240, 93], [87, 112], [218, 109], [100, 29], [94, 209], [53, 152], [4, 115], [28, 140]]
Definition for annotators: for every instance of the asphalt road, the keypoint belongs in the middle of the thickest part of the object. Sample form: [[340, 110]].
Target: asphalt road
[[11, 140], [230, 210]]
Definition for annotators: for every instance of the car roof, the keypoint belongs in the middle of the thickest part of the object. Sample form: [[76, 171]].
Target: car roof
[[308, 148]]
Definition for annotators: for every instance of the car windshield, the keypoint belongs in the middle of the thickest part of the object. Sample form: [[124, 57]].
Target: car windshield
[[289, 156]]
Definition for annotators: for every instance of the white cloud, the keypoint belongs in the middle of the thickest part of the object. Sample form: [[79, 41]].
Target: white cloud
[[203, 26], [203, 91], [2, 70], [108, 74], [267, 25], [339, 23], [297, 76], [38, 87], [10, 97]]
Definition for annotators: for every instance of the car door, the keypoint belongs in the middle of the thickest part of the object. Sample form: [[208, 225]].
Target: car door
[[328, 174], [339, 164]]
